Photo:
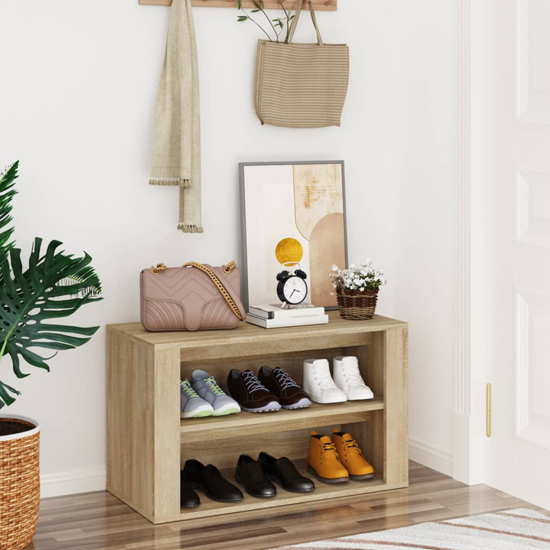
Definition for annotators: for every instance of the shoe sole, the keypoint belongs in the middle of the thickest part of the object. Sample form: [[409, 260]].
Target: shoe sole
[[188, 507], [241, 482], [361, 478], [324, 402], [231, 409], [266, 409], [302, 404], [197, 487], [273, 479], [194, 414], [329, 481]]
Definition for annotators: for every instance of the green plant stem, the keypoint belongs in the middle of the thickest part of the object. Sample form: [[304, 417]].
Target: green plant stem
[[271, 23], [257, 25]]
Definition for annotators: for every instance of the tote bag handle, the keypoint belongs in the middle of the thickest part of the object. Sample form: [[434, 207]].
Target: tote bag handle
[[295, 22]]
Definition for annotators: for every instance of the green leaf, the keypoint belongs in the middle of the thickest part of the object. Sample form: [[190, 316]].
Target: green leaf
[[7, 193], [5, 397], [54, 286]]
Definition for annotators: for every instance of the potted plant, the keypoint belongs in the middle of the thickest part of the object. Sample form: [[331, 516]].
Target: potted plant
[[357, 290], [33, 299]]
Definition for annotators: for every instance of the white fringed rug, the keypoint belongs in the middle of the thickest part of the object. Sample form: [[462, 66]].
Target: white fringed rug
[[510, 530]]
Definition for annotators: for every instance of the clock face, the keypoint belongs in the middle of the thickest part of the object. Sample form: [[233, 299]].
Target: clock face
[[295, 290]]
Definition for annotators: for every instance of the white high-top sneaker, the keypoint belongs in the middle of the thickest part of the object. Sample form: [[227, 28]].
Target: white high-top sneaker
[[318, 382], [348, 378]]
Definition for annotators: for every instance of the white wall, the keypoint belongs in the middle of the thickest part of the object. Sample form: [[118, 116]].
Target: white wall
[[76, 107]]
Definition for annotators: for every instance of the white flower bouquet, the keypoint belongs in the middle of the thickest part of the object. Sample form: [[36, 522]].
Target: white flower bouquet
[[357, 289]]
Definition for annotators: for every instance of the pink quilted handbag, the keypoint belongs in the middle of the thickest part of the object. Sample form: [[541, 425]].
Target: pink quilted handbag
[[190, 298]]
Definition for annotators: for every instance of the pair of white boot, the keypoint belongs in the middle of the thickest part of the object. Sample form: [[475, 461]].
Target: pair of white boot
[[347, 384]]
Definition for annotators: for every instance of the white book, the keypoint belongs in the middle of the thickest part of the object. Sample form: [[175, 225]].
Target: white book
[[276, 312], [291, 322]]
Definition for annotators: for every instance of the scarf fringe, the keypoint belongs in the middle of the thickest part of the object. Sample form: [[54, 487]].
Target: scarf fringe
[[190, 228], [179, 182]]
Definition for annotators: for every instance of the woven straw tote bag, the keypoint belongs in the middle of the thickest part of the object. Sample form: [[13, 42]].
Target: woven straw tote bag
[[301, 85]]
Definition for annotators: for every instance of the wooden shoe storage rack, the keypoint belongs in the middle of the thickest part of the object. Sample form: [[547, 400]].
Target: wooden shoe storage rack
[[147, 442]]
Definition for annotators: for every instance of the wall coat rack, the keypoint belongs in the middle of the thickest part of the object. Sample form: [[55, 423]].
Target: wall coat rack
[[321, 5]]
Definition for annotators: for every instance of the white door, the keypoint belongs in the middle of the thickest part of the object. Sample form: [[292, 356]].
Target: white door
[[517, 269]]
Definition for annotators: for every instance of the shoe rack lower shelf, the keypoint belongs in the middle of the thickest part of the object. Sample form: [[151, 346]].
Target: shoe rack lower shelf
[[322, 492]]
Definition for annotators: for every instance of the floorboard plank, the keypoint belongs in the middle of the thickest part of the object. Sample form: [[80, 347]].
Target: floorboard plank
[[99, 521]]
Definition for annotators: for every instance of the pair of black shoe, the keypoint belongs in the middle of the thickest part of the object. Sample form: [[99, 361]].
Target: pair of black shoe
[[257, 476], [208, 479]]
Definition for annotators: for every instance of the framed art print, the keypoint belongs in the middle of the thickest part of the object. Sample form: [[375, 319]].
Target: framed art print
[[292, 213]]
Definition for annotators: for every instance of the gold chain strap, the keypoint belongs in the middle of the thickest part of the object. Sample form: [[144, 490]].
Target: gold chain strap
[[159, 268]]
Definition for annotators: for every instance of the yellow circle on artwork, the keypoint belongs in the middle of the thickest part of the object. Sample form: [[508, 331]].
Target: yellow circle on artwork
[[289, 250]]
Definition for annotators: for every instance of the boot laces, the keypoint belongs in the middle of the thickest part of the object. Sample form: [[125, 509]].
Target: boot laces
[[352, 447], [329, 448], [252, 383], [284, 379], [322, 376]]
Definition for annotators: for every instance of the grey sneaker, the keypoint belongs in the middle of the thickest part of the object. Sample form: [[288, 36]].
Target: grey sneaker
[[193, 406], [207, 387]]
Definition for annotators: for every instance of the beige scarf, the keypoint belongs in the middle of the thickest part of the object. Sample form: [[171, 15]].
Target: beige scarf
[[177, 140]]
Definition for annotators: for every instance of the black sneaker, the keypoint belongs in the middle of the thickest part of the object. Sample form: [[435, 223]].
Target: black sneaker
[[250, 393]]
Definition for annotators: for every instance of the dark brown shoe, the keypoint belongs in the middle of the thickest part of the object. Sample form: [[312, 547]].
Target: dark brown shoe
[[279, 383], [250, 393]]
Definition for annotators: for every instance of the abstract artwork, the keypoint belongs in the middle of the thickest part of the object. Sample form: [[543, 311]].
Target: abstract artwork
[[293, 213]]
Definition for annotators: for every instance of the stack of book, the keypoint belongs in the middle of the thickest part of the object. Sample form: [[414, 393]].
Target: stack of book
[[268, 316]]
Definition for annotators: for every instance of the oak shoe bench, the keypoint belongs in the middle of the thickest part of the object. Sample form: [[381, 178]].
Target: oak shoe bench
[[148, 443]]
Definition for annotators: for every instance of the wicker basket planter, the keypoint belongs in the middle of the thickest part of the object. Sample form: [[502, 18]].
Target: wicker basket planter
[[356, 305], [19, 484]]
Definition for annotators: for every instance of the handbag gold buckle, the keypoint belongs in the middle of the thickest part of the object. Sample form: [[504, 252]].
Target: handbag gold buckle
[[158, 269], [229, 267]]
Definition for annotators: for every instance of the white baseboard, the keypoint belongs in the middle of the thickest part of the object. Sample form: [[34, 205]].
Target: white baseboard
[[71, 483], [430, 456]]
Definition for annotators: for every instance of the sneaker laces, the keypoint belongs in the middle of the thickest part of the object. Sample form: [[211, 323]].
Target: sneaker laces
[[186, 387], [213, 385], [252, 383], [353, 374], [323, 377], [284, 379]]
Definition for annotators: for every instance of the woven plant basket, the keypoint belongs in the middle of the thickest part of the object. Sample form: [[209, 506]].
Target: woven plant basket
[[19, 485], [356, 305]]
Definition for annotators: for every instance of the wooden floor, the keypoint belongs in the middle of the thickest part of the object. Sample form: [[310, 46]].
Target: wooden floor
[[99, 521]]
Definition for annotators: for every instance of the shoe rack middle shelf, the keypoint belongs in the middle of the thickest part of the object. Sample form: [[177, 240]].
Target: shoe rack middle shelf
[[250, 424]]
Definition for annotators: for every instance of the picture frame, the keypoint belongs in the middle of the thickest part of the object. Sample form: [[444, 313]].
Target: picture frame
[[287, 207]]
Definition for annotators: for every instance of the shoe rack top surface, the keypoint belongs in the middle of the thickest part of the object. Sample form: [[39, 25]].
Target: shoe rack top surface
[[251, 334]]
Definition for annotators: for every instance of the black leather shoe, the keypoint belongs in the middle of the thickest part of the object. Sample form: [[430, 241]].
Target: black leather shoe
[[250, 474], [210, 480], [285, 474], [188, 497]]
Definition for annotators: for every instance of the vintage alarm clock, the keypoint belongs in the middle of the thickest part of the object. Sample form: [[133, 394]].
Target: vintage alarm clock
[[292, 288]]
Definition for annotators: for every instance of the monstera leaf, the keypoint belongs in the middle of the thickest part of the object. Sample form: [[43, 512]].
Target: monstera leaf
[[54, 285], [7, 192]]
